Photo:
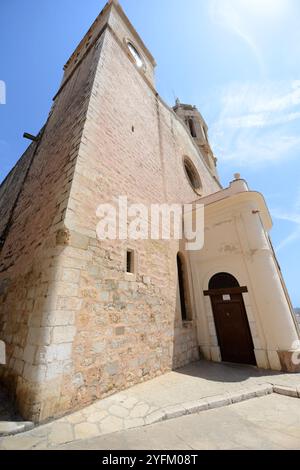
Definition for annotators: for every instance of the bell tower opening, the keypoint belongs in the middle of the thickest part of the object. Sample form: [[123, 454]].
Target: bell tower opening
[[198, 130], [192, 128]]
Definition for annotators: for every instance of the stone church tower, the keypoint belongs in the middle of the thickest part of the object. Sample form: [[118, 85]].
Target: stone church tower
[[82, 318], [199, 131]]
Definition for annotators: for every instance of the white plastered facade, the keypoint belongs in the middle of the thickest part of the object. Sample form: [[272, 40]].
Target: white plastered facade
[[237, 223]]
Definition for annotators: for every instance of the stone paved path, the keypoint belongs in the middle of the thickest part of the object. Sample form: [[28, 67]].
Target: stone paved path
[[144, 404], [270, 422]]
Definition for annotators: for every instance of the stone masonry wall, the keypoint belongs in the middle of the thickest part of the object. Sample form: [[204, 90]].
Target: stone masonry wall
[[12, 185], [76, 325], [128, 328], [31, 321]]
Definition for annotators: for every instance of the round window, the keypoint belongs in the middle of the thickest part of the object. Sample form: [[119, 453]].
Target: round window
[[193, 175], [136, 56]]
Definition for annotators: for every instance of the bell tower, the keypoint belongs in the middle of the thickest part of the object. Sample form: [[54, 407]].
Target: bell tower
[[198, 129]]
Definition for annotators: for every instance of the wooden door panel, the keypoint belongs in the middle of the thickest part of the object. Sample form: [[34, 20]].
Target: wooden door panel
[[233, 331]]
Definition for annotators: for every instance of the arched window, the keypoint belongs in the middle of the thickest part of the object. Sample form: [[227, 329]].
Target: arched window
[[223, 281], [135, 55], [192, 128], [192, 175], [182, 291]]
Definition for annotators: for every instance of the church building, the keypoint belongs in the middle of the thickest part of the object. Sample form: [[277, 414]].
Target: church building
[[82, 318]]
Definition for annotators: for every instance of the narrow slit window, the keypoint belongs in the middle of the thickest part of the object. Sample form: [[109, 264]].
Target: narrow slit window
[[182, 293], [130, 262]]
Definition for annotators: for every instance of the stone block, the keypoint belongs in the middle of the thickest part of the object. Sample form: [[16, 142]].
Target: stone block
[[112, 368], [98, 347], [175, 411], [250, 393], [68, 303], [63, 334], [34, 373], [71, 275], [155, 417], [119, 411], [18, 366], [86, 431], [146, 280], [218, 401], [196, 406], [59, 318], [140, 411], [111, 424], [65, 289], [77, 240], [124, 285], [264, 390], [287, 391], [9, 428], [39, 336], [78, 380], [237, 397], [54, 369], [62, 237], [29, 353], [130, 423], [54, 352], [60, 434], [104, 296]]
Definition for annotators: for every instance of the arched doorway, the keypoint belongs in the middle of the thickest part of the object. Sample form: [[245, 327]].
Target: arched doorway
[[232, 326]]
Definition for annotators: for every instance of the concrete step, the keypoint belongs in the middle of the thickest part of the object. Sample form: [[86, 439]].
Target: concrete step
[[9, 428], [209, 403]]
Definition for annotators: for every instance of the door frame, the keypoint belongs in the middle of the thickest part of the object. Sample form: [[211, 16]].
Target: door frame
[[215, 295]]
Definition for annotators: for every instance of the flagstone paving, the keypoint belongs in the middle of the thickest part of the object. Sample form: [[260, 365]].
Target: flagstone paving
[[266, 423], [199, 386]]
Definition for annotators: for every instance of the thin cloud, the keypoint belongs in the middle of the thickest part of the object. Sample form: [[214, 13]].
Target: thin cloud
[[292, 216], [258, 123], [227, 15], [261, 97], [257, 151], [291, 238], [259, 120]]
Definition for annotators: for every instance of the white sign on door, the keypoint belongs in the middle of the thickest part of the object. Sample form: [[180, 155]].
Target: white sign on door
[[226, 297]]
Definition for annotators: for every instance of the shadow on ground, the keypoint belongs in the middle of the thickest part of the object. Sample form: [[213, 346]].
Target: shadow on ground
[[8, 411], [224, 372]]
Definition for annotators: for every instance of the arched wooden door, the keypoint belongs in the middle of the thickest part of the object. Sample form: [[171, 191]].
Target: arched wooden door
[[232, 326]]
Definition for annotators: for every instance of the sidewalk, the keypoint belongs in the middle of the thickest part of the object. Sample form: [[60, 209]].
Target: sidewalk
[[266, 423], [196, 387]]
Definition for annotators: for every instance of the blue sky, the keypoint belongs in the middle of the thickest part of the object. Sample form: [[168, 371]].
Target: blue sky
[[237, 60]]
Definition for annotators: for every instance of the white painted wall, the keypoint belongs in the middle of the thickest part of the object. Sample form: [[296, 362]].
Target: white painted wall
[[236, 241]]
